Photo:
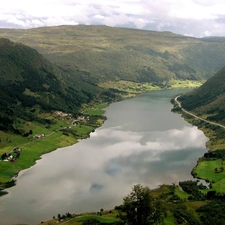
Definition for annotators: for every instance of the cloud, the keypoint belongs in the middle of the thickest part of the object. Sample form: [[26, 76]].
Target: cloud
[[188, 17], [98, 172]]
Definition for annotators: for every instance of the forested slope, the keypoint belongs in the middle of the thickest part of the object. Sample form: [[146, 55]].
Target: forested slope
[[103, 53], [209, 98], [30, 82]]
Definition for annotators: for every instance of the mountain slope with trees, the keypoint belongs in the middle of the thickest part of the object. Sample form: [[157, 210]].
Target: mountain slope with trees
[[208, 99], [103, 53], [29, 81]]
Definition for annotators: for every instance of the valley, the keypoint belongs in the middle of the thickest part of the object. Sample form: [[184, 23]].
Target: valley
[[57, 82], [132, 146]]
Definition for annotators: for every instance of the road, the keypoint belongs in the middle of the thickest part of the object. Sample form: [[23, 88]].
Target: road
[[197, 117], [72, 124]]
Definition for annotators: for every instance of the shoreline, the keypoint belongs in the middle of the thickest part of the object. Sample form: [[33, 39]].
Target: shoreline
[[12, 182], [42, 151], [198, 172]]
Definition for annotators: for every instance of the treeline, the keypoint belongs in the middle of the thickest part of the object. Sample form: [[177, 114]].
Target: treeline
[[217, 154], [212, 213]]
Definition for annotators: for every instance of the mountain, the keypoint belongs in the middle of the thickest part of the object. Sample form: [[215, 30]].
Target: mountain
[[29, 83], [64, 66], [208, 99], [102, 53]]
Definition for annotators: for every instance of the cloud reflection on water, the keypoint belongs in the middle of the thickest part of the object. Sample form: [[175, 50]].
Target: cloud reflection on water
[[124, 159], [98, 172]]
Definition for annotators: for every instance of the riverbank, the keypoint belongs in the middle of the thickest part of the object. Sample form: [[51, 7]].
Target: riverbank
[[99, 171], [62, 132], [209, 167]]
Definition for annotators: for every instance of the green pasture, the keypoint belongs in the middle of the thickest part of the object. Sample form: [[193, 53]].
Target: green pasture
[[161, 190], [182, 195], [31, 151], [105, 218], [169, 219], [219, 186], [184, 83], [9, 141], [101, 219], [129, 86], [82, 131], [33, 148], [95, 110], [206, 170]]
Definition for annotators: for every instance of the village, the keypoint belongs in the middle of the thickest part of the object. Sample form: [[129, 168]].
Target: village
[[14, 154]]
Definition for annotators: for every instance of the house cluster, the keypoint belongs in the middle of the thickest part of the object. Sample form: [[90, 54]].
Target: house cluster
[[7, 157], [38, 136], [64, 115], [80, 119], [11, 157]]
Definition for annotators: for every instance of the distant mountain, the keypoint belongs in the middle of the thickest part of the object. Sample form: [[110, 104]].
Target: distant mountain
[[103, 53], [30, 82], [208, 99]]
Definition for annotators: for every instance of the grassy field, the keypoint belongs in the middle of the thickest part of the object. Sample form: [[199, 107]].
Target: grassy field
[[60, 132], [44, 138], [185, 83], [106, 217], [182, 195], [207, 170], [169, 220], [33, 149], [129, 86], [94, 109], [213, 169], [102, 219]]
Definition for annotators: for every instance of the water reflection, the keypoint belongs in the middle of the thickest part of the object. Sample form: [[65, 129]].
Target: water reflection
[[97, 172]]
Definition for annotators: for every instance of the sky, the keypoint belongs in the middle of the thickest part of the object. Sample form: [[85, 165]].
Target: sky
[[196, 18]]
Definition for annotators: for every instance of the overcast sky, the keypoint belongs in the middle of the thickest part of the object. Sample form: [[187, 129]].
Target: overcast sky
[[196, 18]]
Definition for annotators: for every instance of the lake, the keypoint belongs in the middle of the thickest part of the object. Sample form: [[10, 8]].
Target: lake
[[141, 141]]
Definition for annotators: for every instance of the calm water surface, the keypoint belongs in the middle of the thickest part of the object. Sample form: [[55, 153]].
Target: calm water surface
[[141, 142]]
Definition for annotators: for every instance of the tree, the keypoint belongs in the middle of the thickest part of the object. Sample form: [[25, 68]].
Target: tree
[[140, 208], [4, 156]]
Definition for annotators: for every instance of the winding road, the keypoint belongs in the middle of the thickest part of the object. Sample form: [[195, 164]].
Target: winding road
[[197, 117]]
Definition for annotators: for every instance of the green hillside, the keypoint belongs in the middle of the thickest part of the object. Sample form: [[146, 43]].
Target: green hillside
[[208, 100], [103, 53], [42, 108], [29, 82], [64, 68]]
